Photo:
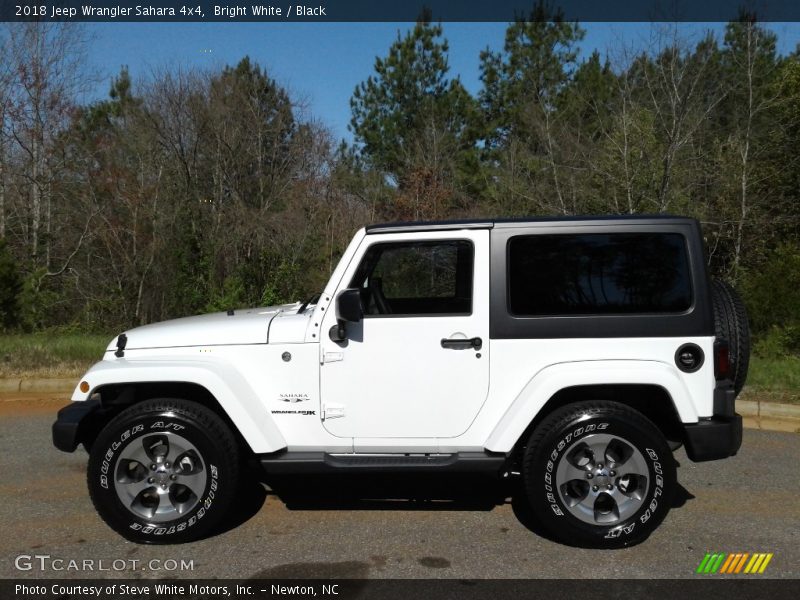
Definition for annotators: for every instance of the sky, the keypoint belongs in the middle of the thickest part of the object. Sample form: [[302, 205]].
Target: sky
[[322, 63]]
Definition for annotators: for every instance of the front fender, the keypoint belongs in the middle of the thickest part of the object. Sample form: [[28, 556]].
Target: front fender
[[234, 394], [550, 380]]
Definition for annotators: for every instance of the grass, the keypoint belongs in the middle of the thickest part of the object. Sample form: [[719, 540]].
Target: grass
[[68, 355], [49, 355], [773, 380]]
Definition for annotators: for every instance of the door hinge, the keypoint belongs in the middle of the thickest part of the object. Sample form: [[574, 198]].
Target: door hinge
[[328, 357], [332, 412]]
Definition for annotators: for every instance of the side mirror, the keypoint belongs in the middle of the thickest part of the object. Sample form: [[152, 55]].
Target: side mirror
[[348, 305]]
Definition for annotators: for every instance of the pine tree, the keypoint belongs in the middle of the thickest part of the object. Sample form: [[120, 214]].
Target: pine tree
[[415, 124]]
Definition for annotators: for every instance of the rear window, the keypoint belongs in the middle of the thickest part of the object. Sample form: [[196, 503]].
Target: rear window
[[614, 273]]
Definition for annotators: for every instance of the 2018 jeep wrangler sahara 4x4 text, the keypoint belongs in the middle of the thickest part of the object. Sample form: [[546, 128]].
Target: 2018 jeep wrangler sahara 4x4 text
[[575, 351]]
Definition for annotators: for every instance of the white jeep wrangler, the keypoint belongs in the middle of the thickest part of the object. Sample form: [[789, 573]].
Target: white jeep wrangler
[[576, 352]]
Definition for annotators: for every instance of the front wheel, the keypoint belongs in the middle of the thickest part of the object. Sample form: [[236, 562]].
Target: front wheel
[[163, 471], [598, 474]]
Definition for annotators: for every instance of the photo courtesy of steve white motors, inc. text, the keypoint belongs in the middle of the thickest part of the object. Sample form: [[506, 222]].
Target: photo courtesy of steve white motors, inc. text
[[142, 589], [179, 11]]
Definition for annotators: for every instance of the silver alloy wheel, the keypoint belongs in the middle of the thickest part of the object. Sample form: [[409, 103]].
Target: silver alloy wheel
[[602, 479], [160, 477]]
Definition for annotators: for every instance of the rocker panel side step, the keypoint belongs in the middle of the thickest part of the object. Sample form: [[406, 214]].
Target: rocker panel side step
[[322, 462]]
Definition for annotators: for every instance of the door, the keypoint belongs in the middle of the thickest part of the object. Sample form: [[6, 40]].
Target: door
[[417, 364]]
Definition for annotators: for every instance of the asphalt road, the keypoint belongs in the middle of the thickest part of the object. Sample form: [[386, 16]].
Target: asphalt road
[[749, 503]]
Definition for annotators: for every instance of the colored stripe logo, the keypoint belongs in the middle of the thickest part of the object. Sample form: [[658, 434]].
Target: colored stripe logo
[[735, 563]]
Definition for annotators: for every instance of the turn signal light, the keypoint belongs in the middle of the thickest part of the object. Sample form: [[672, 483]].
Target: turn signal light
[[84, 386]]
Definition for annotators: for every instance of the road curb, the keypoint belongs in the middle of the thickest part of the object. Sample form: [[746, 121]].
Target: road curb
[[46, 386], [773, 410], [770, 416], [10, 385], [37, 385]]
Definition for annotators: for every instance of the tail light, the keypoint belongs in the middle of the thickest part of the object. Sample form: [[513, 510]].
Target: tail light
[[722, 360]]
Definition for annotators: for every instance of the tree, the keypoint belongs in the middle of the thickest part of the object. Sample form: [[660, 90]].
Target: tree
[[415, 124], [750, 65], [677, 86], [522, 83], [781, 172], [590, 97], [526, 136], [259, 154], [47, 60], [252, 142], [10, 288], [5, 84], [132, 202]]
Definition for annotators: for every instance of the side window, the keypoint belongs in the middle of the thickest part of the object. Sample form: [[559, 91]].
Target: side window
[[416, 278], [596, 274]]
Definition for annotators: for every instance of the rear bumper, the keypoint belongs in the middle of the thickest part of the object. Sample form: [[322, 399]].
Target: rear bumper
[[719, 436], [76, 423], [715, 438]]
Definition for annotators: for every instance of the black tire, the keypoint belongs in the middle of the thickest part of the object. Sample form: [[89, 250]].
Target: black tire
[[730, 324], [173, 502], [555, 447]]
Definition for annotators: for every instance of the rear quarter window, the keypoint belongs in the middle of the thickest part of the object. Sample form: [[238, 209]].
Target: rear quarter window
[[598, 274]]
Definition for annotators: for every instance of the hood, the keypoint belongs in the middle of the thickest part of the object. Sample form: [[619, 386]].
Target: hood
[[244, 326]]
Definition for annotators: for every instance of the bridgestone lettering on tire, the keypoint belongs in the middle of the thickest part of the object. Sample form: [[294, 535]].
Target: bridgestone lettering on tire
[[730, 324], [598, 474], [163, 471]]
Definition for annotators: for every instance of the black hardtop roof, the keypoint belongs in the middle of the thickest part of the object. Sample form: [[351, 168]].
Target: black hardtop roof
[[490, 223]]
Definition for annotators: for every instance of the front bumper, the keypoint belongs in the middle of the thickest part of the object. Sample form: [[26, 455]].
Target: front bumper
[[76, 423]]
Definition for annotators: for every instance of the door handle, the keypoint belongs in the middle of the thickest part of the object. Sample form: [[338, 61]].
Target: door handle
[[462, 344]]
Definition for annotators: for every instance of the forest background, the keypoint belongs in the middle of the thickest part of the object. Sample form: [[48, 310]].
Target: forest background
[[191, 191]]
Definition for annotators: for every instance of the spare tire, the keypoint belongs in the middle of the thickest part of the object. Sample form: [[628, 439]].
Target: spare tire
[[730, 324]]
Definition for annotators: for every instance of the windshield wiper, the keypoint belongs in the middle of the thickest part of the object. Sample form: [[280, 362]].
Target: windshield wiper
[[312, 300]]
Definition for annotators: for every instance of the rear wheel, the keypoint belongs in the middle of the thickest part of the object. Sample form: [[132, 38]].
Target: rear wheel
[[598, 474], [163, 471]]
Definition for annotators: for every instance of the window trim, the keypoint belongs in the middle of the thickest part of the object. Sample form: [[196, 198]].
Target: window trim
[[597, 314], [425, 241], [697, 321]]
